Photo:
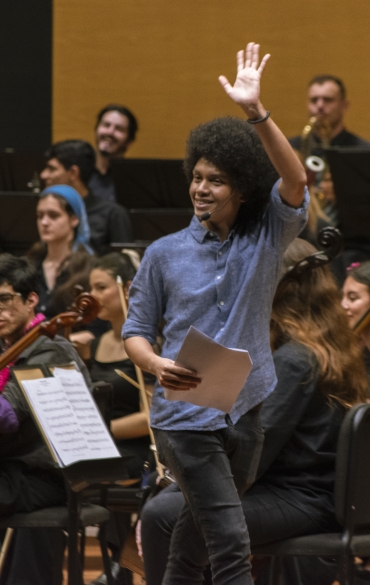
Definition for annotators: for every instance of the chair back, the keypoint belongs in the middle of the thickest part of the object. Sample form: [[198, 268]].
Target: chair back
[[352, 482]]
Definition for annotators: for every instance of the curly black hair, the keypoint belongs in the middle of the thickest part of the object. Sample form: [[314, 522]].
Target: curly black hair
[[232, 145]]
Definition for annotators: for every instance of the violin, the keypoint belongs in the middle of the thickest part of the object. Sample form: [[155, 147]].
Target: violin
[[363, 322], [85, 309], [331, 240]]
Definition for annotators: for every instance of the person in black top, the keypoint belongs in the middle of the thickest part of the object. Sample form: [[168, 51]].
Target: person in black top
[[320, 373], [115, 130], [72, 162], [129, 425]]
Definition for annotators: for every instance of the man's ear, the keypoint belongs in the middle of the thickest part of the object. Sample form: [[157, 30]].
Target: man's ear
[[32, 300], [74, 173]]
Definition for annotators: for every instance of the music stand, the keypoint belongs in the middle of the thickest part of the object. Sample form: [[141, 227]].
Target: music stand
[[150, 183], [350, 170], [18, 227], [20, 171]]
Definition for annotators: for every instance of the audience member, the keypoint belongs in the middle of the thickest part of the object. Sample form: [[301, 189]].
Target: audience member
[[115, 130], [320, 374], [71, 162]]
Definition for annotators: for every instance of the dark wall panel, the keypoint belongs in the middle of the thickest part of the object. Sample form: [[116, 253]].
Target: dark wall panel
[[25, 74]]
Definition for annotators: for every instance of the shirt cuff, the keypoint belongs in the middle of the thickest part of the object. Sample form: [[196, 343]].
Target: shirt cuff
[[285, 211]]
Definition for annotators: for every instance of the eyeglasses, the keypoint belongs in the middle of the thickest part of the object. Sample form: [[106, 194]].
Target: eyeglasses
[[7, 299]]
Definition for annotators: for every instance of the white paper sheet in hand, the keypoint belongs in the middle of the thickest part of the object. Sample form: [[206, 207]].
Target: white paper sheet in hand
[[223, 371]]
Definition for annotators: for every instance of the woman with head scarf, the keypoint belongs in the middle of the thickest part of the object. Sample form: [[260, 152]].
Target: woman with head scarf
[[63, 255]]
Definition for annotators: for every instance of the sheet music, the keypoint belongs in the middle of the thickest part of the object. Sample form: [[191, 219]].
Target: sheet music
[[88, 415], [70, 440], [223, 371]]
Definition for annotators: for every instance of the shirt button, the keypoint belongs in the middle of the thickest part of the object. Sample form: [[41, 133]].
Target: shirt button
[[218, 277], [220, 253], [211, 234], [222, 303]]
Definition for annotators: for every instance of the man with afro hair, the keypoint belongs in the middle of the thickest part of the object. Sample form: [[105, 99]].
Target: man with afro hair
[[219, 275]]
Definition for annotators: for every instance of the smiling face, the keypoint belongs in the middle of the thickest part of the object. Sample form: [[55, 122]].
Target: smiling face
[[15, 314], [211, 192], [53, 222], [112, 134], [355, 300], [326, 103], [104, 287]]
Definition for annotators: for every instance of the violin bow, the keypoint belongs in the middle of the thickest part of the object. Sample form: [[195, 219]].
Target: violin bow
[[140, 384]]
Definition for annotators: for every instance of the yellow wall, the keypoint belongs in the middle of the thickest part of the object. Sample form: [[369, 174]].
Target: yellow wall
[[162, 59]]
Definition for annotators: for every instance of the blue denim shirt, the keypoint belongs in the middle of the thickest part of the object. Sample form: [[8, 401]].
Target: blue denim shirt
[[224, 289]]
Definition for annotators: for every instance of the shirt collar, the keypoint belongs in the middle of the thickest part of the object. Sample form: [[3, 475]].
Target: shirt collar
[[201, 233]]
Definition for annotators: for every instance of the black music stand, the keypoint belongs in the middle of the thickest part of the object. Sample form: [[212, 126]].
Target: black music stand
[[18, 227], [350, 169], [20, 171], [150, 183], [156, 193]]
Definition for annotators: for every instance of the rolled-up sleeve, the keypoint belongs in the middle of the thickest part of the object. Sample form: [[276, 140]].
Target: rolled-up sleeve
[[285, 211], [145, 302]]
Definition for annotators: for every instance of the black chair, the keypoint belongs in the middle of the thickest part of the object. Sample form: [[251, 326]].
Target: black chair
[[352, 506], [72, 519], [78, 514]]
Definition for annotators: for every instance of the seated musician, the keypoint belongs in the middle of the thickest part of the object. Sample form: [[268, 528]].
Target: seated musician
[[356, 303], [320, 374], [28, 479], [129, 425]]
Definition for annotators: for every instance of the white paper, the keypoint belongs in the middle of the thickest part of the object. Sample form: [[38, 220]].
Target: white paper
[[223, 372], [69, 417], [97, 436]]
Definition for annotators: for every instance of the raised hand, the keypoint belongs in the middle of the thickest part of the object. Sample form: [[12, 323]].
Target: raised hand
[[246, 89]]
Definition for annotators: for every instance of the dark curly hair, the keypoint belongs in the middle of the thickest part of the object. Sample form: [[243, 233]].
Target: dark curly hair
[[233, 146]]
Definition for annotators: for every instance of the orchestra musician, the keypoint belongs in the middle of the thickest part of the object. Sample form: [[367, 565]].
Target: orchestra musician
[[129, 424], [320, 375], [327, 105], [115, 131], [28, 478], [219, 275], [356, 303], [63, 252]]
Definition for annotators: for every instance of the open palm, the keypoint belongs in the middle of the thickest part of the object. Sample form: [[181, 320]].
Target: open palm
[[246, 89]]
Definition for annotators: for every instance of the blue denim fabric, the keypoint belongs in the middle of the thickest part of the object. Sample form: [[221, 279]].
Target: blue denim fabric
[[213, 470], [224, 289]]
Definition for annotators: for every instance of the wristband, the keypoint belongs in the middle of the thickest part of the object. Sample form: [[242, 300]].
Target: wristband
[[267, 115]]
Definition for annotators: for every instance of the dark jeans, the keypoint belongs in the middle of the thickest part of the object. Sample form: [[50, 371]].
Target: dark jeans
[[213, 469]]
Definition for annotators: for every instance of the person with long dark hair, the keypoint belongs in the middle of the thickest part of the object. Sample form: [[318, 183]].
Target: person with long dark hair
[[320, 375], [356, 303]]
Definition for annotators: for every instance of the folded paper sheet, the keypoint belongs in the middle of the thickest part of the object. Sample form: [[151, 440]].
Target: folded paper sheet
[[223, 371]]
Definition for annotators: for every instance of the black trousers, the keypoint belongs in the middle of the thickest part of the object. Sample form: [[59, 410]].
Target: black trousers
[[267, 516]]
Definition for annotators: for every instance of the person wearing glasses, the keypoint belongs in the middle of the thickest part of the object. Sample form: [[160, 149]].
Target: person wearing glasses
[[28, 479]]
